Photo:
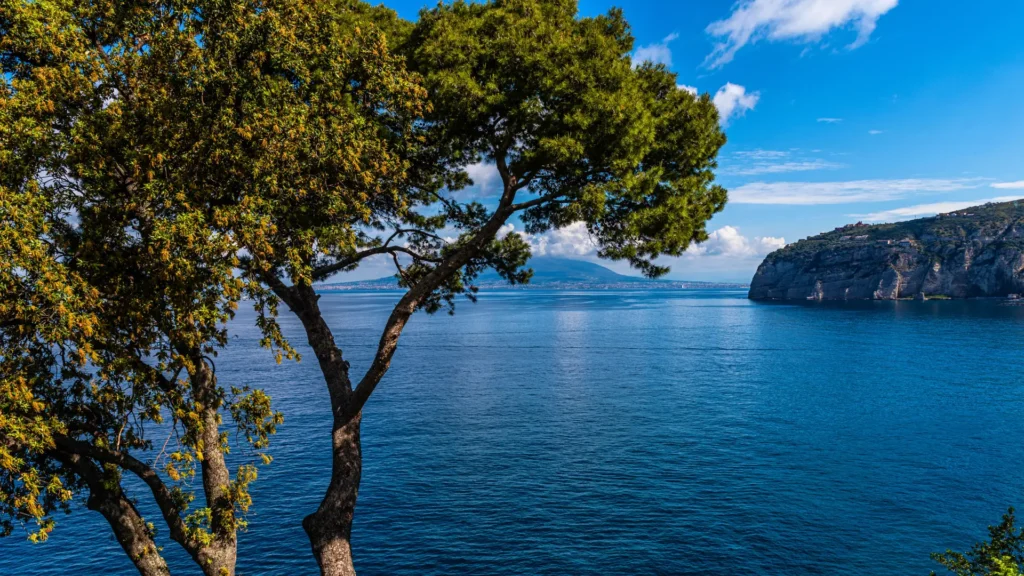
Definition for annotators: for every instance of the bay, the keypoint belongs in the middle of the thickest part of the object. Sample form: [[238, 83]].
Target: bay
[[662, 432]]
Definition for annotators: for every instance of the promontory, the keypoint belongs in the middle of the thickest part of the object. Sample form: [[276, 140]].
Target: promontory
[[969, 253]]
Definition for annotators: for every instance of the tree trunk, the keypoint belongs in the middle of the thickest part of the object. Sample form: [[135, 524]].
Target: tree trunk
[[217, 558], [129, 528], [330, 527]]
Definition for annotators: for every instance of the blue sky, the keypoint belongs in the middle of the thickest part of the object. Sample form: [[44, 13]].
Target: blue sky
[[838, 111]]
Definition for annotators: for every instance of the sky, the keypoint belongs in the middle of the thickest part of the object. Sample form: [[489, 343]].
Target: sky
[[836, 111]]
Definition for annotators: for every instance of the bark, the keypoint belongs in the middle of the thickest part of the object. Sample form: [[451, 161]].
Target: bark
[[163, 496], [217, 558], [107, 498], [330, 527], [130, 530]]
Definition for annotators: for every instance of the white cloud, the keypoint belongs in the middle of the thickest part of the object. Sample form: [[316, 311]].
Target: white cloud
[[919, 210], [573, 240], [830, 120], [781, 167], [751, 162], [504, 230], [876, 132], [485, 176], [728, 242], [658, 53], [761, 154], [690, 89], [732, 100], [799, 20], [808, 193], [1009, 185]]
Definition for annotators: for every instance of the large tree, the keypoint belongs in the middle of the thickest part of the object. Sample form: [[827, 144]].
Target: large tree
[[576, 132], [120, 123]]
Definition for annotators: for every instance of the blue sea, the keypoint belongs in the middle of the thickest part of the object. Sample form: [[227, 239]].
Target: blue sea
[[662, 433]]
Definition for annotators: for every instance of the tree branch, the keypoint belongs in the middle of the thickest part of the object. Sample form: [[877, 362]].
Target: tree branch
[[325, 271], [280, 289], [536, 201], [161, 493], [418, 293], [124, 518]]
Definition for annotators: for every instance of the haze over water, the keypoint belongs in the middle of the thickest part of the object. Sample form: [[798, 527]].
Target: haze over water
[[666, 432]]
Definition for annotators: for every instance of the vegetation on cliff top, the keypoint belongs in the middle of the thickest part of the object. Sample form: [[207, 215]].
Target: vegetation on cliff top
[[985, 221]]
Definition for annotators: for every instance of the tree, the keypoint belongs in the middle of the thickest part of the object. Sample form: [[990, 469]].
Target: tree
[[115, 286], [1001, 555], [576, 133], [145, 144]]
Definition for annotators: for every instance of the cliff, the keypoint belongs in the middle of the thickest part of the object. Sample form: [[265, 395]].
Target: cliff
[[976, 252]]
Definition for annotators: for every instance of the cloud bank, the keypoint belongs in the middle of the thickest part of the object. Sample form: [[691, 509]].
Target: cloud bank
[[798, 20], [1018, 185], [729, 243], [813, 193]]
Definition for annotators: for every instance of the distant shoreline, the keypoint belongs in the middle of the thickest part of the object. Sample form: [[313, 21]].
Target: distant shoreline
[[642, 286]]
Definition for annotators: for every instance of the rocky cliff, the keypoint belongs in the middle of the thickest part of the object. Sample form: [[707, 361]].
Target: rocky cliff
[[975, 252]]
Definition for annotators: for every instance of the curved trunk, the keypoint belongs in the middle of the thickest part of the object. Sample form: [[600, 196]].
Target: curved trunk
[[130, 529], [107, 498], [330, 527]]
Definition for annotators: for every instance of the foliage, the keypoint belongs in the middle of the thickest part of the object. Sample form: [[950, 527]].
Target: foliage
[[1001, 555], [934, 235], [163, 160], [555, 102], [142, 145], [576, 133]]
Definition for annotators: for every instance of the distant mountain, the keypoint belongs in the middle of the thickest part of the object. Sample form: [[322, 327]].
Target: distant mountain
[[550, 272], [548, 269]]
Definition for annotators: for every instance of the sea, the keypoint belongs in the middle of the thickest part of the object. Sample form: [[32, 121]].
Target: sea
[[670, 432]]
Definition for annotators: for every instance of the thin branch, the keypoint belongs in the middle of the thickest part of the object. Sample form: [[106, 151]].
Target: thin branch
[[421, 233], [527, 178], [536, 201], [13, 323], [325, 271], [399, 267], [160, 454], [417, 294]]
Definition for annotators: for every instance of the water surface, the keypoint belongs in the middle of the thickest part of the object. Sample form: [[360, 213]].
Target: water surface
[[683, 432]]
